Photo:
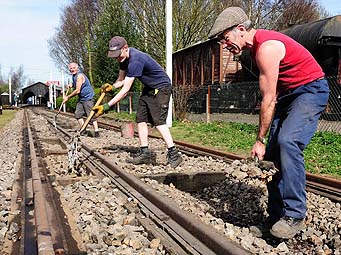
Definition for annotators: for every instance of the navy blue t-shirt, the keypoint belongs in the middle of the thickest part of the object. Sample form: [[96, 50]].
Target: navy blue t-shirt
[[142, 66]]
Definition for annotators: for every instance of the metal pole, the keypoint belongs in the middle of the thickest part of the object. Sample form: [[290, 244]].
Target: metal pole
[[169, 51], [63, 89], [130, 103], [50, 97], [208, 104], [51, 92], [10, 89], [54, 95]]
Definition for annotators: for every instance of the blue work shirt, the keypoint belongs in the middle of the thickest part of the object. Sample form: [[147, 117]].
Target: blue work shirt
[[142, 66]]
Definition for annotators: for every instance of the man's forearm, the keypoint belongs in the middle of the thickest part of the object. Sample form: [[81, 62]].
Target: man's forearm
[[123, 92], [118, 84], [265, 117]]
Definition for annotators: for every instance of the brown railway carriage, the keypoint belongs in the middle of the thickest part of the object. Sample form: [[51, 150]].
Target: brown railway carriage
[[205, 63]]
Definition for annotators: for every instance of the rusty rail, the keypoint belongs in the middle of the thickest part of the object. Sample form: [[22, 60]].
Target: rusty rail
[[43, 232], [213, 240]]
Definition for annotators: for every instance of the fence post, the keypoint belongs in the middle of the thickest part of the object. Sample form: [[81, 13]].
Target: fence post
[[130, 104], [208, 104], [118, 106]]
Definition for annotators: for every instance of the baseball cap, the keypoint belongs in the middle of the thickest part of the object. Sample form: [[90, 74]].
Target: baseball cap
[[115, 45], [230, 17]]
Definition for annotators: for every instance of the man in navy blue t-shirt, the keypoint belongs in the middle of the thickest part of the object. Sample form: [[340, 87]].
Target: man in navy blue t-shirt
[[154, 101]]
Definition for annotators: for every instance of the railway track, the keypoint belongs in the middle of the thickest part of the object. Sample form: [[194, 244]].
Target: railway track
[[178, 231], [321, 185]]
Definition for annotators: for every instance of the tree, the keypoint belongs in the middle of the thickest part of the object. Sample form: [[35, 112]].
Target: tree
[[73, 41], [111, 23], [298, 12], [192, 21], [17, 78]]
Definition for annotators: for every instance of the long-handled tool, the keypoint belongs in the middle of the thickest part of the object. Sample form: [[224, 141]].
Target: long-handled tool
[[60, 108], [92, 113], [75, 145]]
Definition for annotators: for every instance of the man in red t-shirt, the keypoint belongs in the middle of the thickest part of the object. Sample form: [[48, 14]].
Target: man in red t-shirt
[[294, 94]]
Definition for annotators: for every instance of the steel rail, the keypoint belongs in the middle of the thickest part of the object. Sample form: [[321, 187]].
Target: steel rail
[[43, 231], [171, 215], [213, 240], [324, 186]]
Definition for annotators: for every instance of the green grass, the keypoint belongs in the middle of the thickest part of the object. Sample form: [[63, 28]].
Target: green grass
[[322, 155], [124, 116], [7, 116], [231, 137]]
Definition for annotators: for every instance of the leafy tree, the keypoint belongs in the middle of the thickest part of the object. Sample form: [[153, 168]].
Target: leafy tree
[[111, 23], [73, 41]]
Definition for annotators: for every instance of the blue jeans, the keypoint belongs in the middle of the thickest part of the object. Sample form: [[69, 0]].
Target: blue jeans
[[294, 124]]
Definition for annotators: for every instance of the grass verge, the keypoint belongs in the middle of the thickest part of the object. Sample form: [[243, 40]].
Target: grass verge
[[7, 116], [322, 155]]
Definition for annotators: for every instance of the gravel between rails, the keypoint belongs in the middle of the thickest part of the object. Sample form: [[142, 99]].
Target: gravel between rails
[[233, 206]]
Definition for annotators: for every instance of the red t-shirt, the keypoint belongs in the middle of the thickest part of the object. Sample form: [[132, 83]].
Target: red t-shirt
[[298, 67]]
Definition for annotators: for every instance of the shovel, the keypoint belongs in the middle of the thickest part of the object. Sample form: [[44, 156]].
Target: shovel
[[60, 108], [92, 113]]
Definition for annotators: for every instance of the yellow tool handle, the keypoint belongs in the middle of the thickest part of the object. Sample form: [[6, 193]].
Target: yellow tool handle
[[92, 113]]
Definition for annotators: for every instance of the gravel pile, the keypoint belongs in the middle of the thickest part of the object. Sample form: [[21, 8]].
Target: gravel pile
[[105, 224]]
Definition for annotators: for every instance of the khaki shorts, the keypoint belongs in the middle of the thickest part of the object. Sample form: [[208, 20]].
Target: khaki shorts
[[83, 108]]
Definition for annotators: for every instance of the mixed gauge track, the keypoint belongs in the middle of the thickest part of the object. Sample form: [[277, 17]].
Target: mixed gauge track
[[77, 195]]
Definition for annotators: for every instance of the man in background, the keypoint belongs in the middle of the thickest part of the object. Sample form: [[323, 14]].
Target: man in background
[[85, 92]]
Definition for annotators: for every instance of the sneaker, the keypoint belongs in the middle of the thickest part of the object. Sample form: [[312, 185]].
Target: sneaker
[[174, 158], [96, 134], [141, 158], [263, 228], [287, 227]]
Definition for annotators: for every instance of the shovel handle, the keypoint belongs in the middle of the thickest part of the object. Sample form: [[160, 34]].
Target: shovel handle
[[61, 105], [92, 113]]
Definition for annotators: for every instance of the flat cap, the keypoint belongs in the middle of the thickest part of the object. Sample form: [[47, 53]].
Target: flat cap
[[230, 17]]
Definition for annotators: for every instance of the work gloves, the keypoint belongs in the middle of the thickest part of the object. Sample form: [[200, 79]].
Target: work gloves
[[99, 110], [106, 88]]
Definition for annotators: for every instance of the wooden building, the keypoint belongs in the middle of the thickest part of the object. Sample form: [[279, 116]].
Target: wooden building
[[205, 63]]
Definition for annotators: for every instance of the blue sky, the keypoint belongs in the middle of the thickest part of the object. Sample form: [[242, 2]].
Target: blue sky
[[332, 6], [26, 25]]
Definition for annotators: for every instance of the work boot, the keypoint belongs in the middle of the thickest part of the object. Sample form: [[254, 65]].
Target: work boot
[[287, 227], [143, 157], [173, 157]]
